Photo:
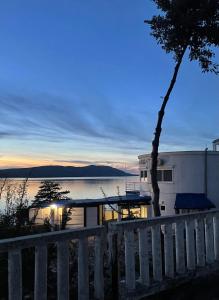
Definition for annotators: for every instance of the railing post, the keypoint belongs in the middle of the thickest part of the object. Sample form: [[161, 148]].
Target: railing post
[[180, 248], [156, 252], [40, 281], [98, 268], [115, 266], [216, 236], [144, 256], [15, 275], [190, 244], [168, 250], [110, 243], [129, 260], [200, 242], [63, 270], [209, 242], [83, 279], [198, 233]]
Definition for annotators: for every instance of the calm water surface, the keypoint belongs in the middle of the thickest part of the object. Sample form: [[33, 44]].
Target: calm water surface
[[80, 188]]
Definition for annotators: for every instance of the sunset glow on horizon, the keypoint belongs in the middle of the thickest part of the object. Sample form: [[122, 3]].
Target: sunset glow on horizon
[[19, 162]]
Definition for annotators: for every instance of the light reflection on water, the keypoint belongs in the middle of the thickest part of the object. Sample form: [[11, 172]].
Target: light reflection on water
[[80, 188]]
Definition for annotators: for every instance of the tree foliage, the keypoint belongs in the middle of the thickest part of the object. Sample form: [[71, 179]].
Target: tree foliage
[[48, 192], [15, 200], [184, 26], [190, 24]]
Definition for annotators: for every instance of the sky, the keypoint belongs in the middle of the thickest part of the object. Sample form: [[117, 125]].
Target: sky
[[81, 83]]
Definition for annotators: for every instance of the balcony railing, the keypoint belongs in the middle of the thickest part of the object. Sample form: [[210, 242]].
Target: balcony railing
[[162, 250], [132, 186], [144, 256], [138, 187], [40, 242]]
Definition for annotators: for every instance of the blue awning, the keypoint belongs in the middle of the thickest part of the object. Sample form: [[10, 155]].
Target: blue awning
[[192, 201]]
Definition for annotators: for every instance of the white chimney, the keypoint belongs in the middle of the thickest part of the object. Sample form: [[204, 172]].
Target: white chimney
[[215, 144]]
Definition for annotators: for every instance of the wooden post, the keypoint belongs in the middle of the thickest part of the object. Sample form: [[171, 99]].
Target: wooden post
[[209, 242], [190, 244], [40, 281], [98, 268], [83, 276], [156, 253], [180, 248], [129, 260], [168, 250], [143, 256], [200, 242], [216, 236], [15, 275], [63, 270]]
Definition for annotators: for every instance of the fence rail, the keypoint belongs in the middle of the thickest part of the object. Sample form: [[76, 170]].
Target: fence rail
[[14, 247], [150, 250], [168, 247]]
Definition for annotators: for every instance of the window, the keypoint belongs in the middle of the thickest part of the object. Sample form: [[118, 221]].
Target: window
[[144, 174], [167, 175], [159, 175], [164, 175], [162, 207]]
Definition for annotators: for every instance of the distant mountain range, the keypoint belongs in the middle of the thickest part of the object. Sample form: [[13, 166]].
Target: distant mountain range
[[62, 171]]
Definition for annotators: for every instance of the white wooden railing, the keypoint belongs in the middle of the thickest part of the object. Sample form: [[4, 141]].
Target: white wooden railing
[[152, 252], [14, 247], [138, 186], [133, 186], [168, 248]]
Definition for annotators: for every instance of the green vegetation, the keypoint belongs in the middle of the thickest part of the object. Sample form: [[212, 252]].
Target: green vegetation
[[49, 192], [14, 217]]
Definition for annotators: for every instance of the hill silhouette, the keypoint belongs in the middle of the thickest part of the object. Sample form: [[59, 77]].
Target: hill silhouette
[[63, 171]]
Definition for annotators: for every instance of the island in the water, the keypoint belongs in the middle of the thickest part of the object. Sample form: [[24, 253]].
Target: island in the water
[[63, 171]]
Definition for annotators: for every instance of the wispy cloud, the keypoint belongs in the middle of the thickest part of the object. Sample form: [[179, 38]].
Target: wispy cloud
[[53, 118], [4, 134], [94, 123], [88, 162]]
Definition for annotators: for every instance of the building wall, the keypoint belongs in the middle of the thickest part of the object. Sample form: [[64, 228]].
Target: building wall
[[91, 216], [188, 170]]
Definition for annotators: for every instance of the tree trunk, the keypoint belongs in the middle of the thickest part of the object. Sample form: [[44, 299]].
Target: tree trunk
[[156, 141]]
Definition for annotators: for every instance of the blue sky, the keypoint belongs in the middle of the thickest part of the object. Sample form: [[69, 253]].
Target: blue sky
[[81, 82]]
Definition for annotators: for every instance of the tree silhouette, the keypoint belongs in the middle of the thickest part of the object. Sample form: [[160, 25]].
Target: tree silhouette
[[184, 27], [48, 192]]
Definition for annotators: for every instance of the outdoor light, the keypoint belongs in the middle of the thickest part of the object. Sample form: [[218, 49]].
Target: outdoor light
[[53, 206]]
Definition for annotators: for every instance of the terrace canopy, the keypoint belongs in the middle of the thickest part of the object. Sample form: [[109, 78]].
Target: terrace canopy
[[192, 201], [131, 199]]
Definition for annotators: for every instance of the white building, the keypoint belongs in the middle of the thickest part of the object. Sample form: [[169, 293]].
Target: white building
[[187, 179]]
